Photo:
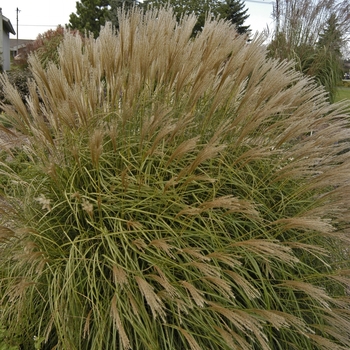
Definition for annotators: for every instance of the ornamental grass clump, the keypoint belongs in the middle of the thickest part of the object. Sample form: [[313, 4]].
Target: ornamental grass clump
[[179, 193]]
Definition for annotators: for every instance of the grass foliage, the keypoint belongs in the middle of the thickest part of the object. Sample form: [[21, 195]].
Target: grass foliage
[[180, 193]]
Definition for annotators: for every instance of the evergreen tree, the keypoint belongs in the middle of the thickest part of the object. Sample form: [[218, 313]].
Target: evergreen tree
[[329, 69], [201, 8], [331, 38], [231, 10], [90, 15], [116, 5], [234, 11]]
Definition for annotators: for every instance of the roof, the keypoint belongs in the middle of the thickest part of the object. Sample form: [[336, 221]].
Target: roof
[[7, 25], [21, 43]]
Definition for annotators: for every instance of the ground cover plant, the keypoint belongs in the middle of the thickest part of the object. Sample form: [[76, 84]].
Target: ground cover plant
[[181, 193]]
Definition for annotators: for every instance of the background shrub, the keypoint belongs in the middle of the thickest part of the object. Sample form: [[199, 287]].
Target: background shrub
[[18, 78], [183, 193]]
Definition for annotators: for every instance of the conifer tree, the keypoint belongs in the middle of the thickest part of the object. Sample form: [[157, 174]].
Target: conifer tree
[[231, 10], [90, 15], [328, 49], [201, 8], [331, 38], [116, 5], [234, 11]]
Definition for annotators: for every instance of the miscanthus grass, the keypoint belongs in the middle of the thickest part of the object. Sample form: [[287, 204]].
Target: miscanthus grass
[[180, 193]]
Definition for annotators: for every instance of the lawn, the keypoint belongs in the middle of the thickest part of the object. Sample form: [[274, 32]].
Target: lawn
[[343, 93]]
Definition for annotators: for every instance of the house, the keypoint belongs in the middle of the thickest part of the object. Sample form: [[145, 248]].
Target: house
[[5, 30], [18, 48]]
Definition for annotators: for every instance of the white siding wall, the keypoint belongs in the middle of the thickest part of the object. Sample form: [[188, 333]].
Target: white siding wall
[[6, 50], [4, 45]]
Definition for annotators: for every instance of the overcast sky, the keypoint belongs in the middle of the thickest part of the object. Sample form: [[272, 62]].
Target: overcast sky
[[38, 16]]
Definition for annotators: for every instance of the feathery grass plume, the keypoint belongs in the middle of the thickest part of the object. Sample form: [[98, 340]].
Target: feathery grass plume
[[176, 193]]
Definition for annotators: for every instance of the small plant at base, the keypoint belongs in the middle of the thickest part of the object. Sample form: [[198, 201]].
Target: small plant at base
[[185, 193], [4, 344]]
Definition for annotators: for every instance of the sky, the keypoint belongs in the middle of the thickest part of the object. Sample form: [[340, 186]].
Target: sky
[[38, 16], [260, 14]]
